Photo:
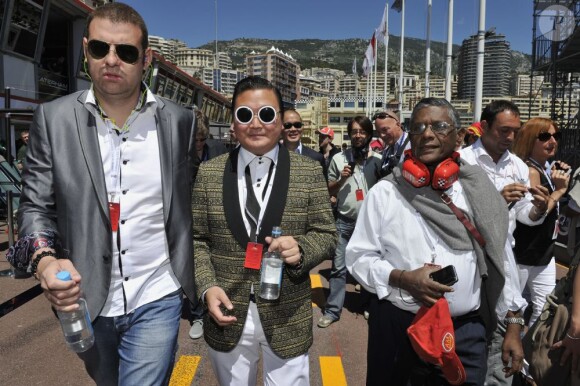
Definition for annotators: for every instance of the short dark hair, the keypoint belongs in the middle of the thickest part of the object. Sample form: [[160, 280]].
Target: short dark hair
[[120, 13], [256, 83], [438, 102], [494, 108], [364, 122]]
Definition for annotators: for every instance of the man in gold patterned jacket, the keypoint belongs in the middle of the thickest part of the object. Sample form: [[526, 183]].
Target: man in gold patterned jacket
[[232, 223]]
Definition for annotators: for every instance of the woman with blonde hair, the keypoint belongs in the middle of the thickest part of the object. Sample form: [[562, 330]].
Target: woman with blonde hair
[[537, 143]]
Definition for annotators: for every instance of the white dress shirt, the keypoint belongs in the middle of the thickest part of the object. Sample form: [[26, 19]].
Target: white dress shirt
[[508, 170], [141, 270], [259, 169], [391, 234]]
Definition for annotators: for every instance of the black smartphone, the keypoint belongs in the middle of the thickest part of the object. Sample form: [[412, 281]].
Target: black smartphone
[[352, 165], [445, 276]]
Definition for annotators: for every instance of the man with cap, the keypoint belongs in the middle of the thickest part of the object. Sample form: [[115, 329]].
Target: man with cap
[[431, 212], [350, 176], [395, 140], [473, 133], [327, 148], [292, 135]]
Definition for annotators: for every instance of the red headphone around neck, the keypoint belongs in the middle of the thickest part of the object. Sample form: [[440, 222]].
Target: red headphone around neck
[[418, 175]]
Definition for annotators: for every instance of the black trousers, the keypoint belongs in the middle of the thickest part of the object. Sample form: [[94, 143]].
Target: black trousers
[[391, 359]]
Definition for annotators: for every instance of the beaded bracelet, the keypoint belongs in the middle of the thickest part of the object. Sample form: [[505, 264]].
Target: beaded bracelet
[[36, 261]]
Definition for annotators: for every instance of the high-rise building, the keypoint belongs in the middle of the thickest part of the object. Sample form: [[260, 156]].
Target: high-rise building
[[279, 68], [166, 47], [496, 68]]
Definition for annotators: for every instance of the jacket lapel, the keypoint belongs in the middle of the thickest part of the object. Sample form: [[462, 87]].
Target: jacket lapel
[[231, 200], [277, 200], [163, 123], [89, 141]]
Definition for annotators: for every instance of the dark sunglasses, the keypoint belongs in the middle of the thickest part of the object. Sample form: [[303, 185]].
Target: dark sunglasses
[[545, 136], [126, 52], [289, 125], [384, 115], [245, 115]]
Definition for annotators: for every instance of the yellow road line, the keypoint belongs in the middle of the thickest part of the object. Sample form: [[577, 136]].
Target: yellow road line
[[184, 370], [332, 371], [316, 281]]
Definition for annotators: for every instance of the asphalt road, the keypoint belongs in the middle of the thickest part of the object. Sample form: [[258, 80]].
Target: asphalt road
[[33, 352]]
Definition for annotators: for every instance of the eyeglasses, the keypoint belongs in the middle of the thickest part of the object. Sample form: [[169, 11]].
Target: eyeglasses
[[245, 115], [289, 125], [438, 127], [384, 115], [545, 136], [126, 52]]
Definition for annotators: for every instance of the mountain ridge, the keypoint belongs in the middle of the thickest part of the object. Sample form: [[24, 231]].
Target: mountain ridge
[[340, 54]]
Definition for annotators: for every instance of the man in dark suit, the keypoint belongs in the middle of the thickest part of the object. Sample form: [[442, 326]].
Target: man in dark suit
[[237, 199], [292, 135], [106, 196]]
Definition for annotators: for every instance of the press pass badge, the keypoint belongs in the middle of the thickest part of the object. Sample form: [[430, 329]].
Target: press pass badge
[[359, 195], [253, 255], [114, 212]]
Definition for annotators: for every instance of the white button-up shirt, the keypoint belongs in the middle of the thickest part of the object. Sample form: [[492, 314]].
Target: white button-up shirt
[[508, 170], [141, 270], [391, 234], [259, 169]]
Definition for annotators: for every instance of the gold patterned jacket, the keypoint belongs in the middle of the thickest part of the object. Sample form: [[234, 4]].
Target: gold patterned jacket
[[298, 203]]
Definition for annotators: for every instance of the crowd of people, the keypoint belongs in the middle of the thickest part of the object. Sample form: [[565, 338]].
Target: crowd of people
[[440, 226]]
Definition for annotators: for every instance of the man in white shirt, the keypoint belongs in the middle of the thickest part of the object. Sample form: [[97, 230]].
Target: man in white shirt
[[500, 122], [108, 180], [407, 229]]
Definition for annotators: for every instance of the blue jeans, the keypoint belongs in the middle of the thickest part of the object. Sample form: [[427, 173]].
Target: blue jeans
[[138, 348], [337, 282]]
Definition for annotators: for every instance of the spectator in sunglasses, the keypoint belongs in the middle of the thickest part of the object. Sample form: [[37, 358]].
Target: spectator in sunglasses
[[127, 243], [396, 141], [292, 134], [537, 144], [237, 199]]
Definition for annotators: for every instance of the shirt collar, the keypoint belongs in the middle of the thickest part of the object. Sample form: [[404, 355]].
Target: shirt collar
[[480, 152], [146, 98], [246, 157], [299, 148]]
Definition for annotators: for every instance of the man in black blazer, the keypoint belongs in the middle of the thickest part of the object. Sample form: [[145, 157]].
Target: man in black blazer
[[292, 134]]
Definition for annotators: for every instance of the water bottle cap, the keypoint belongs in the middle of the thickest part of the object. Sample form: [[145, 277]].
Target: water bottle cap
[[63, 275], [276, 231]]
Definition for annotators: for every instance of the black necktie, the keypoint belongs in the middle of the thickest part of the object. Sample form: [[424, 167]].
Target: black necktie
[[252, 205]]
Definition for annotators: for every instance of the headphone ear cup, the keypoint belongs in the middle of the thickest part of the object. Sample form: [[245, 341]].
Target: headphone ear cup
[[415, 172], [445, 174]]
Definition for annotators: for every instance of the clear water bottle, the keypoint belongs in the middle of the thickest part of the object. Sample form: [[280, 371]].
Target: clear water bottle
[[76, 325], [272, 266]]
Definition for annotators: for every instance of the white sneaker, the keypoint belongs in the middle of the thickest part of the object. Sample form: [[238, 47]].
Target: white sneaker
[[196, 330]]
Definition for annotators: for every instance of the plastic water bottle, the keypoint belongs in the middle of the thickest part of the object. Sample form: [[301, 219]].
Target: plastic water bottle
[[76, 325], [272, 266]]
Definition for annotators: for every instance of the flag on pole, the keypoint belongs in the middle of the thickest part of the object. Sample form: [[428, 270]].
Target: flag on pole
[[383, 29], [366, 66], [398, 5], [371, 50], [354, 66]]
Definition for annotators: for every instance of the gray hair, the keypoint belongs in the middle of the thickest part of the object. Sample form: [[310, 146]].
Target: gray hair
[[438, 102]]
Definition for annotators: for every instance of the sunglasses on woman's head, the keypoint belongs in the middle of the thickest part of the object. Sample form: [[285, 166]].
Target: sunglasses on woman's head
[[245, 115], [545, 136], [126, 52]]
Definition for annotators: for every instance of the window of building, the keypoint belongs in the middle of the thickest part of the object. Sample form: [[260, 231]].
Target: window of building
[[349, 104], [334, 119], [335, 104], [362, 104], [301, 106], [25, 26]]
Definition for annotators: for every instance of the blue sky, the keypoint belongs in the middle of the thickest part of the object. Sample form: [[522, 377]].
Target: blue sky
[[193, 21]]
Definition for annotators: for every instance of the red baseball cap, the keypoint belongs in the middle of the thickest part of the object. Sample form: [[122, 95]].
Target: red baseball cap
[[433, 339], [326, 131]]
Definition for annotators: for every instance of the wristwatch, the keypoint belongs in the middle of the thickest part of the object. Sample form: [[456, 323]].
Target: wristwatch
[[515, 320]]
